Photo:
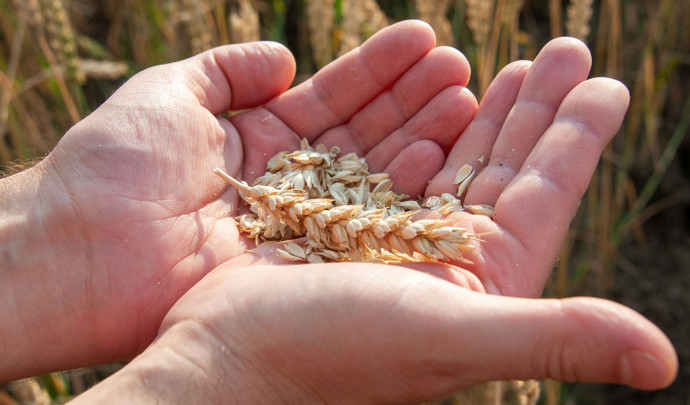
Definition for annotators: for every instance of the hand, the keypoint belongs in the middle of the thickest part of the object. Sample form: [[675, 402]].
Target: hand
[[368, 333], [535, 143], [252, 332], [125, 215]]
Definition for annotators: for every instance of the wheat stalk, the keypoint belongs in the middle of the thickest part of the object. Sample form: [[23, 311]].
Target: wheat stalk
[[347, 213], [555, 17], [480, 20], [511, 21]]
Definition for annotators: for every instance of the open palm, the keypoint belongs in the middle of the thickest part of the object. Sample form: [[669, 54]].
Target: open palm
[[535, 142], [138, 172], [152, 220]]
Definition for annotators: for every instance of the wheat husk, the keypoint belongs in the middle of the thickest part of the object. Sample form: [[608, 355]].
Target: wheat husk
[[347, 213]]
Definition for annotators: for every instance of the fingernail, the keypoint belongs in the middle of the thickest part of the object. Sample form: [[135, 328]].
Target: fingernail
[[642, 370]]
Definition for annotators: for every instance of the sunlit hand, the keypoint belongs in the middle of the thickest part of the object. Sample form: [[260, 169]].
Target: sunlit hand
[[360, 333], [259, 330], [535, 142], [133, 215]]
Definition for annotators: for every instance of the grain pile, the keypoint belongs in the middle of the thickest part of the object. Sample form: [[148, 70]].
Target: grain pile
[[348, 214]]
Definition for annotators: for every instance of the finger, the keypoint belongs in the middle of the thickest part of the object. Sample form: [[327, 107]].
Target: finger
[[577, 339], [462, 338], [263, 135], [474, 146], [441, 120], [559, 67], [238, 76], [412, 168], [540, 203], [344, 87], [442, 67], [448, 272]]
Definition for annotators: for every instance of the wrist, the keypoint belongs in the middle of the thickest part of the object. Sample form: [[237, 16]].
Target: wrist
[[36, 298], [187, 364]]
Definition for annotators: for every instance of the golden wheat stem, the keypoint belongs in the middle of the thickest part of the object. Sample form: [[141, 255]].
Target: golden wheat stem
[[555, 17]]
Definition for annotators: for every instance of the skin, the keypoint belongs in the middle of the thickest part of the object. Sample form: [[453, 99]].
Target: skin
[[121, 243]]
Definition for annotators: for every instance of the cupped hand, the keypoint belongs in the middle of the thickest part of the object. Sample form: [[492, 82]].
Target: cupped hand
[[534, 144], [256, 331], [259, 330], [150, 216]]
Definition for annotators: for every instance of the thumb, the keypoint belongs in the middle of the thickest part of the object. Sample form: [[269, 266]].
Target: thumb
[[238, 76], [575, 339]]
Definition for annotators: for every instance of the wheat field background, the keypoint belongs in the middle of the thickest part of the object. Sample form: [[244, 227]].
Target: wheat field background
[[59, 59]]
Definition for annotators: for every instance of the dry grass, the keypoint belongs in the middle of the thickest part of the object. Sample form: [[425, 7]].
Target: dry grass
[[578, 17], [435, 13], [321, 19], [60, 58], [360, 19]]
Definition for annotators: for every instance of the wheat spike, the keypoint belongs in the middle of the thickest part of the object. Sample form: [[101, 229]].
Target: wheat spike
[[32, 9], [244, 22], [346, 212], [578, 15], [361, 18], [434, 13], [479, 19], [60, 36]]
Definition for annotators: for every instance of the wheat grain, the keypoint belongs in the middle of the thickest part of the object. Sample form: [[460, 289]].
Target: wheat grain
[[345, 212], [480, 209], [464, 184]]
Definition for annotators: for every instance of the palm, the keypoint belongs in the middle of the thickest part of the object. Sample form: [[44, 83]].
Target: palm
[[316, 321], [157, 219], [524, 142], [535, 143]]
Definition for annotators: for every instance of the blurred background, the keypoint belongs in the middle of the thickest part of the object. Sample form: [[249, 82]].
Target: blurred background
[[59, 59]]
